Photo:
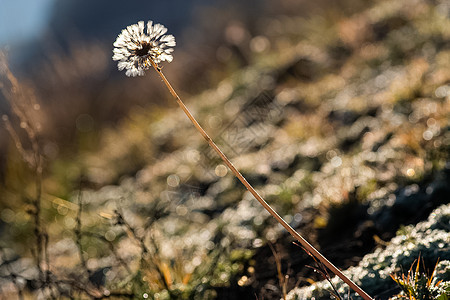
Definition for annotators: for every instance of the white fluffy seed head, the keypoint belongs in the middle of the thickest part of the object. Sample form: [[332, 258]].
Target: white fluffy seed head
[[137, 44]]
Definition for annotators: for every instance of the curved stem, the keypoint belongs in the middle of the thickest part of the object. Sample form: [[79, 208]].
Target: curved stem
[[250, 188]]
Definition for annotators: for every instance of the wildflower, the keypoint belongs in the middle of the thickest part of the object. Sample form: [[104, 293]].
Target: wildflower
[[136, 52], [135, 47]]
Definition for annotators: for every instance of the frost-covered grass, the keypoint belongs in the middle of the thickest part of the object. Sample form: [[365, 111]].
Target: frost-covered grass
[[429, 240], [359, 118]]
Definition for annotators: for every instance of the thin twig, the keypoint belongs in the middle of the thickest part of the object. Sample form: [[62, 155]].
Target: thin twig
[[78, 233], [112, 248], [323, 271], [25, 155], [281, 278], [250, 188], [20, 104], [48, 280], [145, 251]]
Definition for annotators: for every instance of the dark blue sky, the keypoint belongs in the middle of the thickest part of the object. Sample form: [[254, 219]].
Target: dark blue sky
[[28, 26], [22, 19]]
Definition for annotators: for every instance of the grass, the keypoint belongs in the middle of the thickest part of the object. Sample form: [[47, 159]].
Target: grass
[[419, 285]]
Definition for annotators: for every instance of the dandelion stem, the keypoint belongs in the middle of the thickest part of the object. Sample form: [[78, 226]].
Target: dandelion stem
[[250, 188]]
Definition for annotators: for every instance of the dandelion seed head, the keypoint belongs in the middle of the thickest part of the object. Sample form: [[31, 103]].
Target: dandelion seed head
[[137, 44]]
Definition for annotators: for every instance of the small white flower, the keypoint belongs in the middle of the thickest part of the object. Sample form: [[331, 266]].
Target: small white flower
[[135, 47]]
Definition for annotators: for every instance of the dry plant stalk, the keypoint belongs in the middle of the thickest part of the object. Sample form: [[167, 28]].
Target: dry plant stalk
[[23, 105], [282, 279], [24, 110], [413, 286], [137, 51]]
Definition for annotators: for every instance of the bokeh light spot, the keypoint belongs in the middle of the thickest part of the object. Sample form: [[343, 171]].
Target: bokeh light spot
[[110, 235], [259, 44], [336, 161], [427, 135], [173, 180], [7, 215], [84, 123], [221, 170]]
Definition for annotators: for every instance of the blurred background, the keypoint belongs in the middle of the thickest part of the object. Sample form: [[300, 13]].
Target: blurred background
[[336, 111], [61, 51], [64, 48]]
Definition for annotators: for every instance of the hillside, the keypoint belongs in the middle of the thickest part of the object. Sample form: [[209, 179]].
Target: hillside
[[339, 120]]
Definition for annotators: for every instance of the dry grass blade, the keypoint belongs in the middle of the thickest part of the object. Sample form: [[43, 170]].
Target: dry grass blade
[[281, 278], [322, 270], [257, 196], [417, 285], [23, 106]]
